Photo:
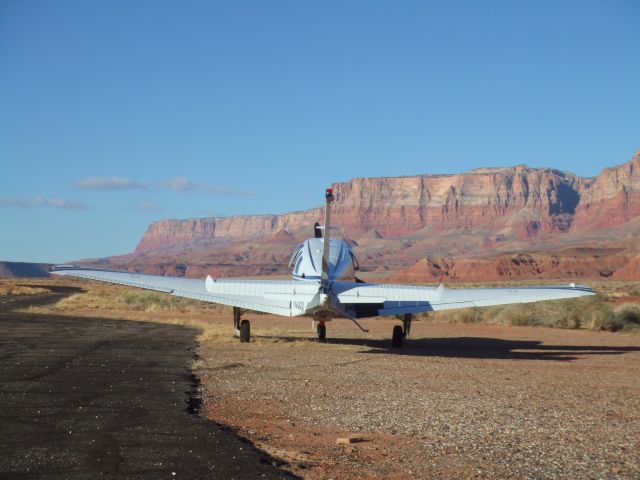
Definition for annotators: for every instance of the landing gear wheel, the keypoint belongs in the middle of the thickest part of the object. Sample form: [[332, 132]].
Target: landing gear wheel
[[322, 332], [245, 331], [398, 337]]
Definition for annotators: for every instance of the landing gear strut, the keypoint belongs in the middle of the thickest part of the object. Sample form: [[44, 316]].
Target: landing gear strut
[[401, 332], [241, 327]]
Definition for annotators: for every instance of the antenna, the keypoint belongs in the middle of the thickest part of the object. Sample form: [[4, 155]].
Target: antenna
[[324, 275]]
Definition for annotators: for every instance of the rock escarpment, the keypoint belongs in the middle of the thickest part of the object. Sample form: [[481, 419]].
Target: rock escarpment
[[479, 213], [179, 235], [612, 198]]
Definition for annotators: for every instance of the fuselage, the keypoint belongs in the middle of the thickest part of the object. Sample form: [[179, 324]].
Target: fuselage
[[306, 261]]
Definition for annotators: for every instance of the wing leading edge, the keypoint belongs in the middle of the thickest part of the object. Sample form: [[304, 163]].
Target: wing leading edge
[[292, 298], [280, 297]]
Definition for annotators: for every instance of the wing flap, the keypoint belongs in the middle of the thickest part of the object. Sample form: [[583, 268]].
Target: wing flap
[[380, 293]]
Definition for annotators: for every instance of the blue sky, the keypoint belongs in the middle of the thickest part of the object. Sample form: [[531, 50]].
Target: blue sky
[[115, 114]]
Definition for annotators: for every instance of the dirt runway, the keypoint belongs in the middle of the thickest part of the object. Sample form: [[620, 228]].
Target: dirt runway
[[86, 398]]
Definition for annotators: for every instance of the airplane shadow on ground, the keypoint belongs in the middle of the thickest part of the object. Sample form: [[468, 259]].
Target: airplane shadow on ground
[[478, 347]]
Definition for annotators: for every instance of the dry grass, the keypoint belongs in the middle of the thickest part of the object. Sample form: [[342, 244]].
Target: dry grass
[[12, 287], [114, 298], [606, 288], [592, 313], [634, 290]]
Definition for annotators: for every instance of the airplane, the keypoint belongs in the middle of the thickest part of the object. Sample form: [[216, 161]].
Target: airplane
[[324, 287]]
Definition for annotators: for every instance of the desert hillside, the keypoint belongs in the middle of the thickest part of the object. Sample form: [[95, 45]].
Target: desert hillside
[[24, 269]]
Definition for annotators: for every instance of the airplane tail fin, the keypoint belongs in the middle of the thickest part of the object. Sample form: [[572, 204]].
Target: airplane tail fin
[[324, 275]]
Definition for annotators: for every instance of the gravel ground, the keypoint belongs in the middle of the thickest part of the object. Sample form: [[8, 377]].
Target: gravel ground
[[459, 401]]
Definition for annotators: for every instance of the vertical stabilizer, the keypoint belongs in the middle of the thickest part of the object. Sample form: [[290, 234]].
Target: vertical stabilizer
[[324, 275]]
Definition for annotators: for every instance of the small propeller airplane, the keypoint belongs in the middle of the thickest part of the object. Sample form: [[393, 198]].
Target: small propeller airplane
[[322, 288]]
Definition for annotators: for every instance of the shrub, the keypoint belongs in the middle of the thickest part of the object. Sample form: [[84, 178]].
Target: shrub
[[151, 301], [628, 315], [602, 319], [464, 315], [576, 313], [612, 324], [469, 315], [517, 315], [588, 312]]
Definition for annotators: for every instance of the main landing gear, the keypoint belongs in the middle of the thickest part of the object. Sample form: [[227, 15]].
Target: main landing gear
[[321, 328], [241, 326], [401, 332]]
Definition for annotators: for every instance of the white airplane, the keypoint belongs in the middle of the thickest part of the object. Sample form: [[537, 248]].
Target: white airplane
[[319, 289]]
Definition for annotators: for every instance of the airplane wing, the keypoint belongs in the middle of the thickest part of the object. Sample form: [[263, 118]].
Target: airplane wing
[[280, 297], [369, 300]]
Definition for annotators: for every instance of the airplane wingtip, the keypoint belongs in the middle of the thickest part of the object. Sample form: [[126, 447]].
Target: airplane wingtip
[[208, 283]]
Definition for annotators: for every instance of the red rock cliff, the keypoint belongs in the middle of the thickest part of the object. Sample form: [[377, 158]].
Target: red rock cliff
[[519, 202], [479, 222], [612, 198]]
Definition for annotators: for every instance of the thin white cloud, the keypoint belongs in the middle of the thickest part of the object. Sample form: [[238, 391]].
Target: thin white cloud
[[107, 183], [176, 184], [33, 202], [180, 184]]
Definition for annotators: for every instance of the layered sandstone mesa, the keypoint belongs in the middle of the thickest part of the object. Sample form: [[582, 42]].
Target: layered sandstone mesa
[[519, 200], [612, 198], [523, 201], [514, 203], [178, 235]]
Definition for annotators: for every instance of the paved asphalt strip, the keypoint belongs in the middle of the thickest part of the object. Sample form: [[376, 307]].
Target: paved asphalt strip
[[101, 398]]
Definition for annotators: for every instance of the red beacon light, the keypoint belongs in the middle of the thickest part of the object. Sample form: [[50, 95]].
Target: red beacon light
[[329, 194]]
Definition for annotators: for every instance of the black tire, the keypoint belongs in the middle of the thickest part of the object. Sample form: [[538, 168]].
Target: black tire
[[322, 332], [398, 337], [245, 331]]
